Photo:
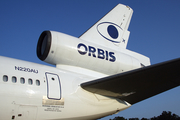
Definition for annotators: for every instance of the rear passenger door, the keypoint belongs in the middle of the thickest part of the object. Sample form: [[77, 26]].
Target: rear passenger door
[[53, 86]]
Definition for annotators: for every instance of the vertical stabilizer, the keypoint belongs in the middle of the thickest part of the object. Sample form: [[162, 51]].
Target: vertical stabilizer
[[111, 29]]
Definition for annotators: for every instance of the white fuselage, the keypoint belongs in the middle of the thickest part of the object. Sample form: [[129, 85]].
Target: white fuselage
[[30, 91], [36, 92]]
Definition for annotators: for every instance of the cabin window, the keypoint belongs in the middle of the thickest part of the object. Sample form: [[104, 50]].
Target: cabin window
[[37, 82], [22, 80], [30, 82], [14, 79], [5, 78]]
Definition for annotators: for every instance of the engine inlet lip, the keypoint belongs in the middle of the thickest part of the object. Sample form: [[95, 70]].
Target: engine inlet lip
[[42, 55]]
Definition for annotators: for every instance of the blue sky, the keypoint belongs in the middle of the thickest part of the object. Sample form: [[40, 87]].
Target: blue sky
[[154, 31]]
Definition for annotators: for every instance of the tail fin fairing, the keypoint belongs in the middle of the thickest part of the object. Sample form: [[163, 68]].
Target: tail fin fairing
[[112, 29]]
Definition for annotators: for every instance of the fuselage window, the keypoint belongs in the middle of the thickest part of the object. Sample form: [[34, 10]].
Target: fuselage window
[[37, 82], [14, 79], [22, 80], [5, 78], [30, 82]]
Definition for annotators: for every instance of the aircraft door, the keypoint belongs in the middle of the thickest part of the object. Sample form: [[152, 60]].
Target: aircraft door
[[53, 86]]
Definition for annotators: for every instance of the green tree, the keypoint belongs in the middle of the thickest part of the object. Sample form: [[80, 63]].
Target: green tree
[[144, 119], [164, 116], [133, 118], [167, 116], [119, 118]]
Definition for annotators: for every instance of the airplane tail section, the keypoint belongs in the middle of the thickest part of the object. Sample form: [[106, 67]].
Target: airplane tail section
[[112, 29]]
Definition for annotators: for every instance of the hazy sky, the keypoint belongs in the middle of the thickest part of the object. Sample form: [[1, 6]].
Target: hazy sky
[[154, 31]]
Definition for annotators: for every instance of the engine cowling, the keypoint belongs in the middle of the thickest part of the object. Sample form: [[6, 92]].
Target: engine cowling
[[60, 49]]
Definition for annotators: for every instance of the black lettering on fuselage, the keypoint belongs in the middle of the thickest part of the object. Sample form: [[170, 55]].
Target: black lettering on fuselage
[[26, 69], [96, 52]]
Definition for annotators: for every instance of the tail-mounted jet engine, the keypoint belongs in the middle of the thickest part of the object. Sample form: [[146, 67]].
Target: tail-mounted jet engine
[[64, 50]]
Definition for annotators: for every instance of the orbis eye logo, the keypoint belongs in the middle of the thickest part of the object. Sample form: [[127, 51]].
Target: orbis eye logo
[[110, 31], [96, 52]]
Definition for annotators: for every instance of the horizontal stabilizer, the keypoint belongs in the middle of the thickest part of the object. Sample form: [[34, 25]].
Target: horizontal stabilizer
[[137, 85]]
